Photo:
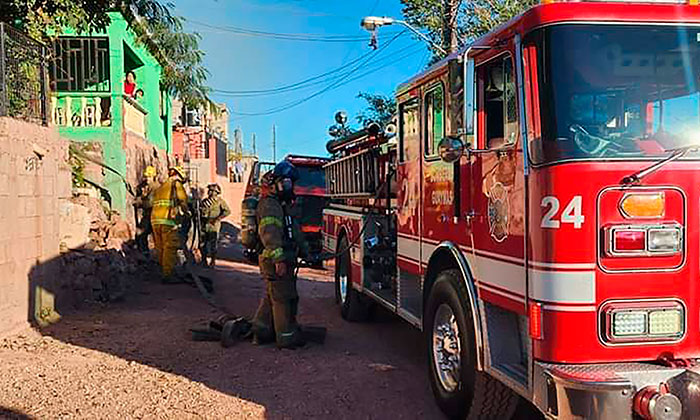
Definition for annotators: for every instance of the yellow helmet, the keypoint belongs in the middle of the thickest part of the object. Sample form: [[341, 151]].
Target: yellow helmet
[[150, 171], [179, 171]]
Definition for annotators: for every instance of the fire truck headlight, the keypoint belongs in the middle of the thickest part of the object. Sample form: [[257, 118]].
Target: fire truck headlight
[[629, 323], [643, 321], [667, 322], [664, 239]]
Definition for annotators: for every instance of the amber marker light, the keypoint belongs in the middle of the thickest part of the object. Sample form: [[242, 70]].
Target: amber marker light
[[535, 314], [643, 205]]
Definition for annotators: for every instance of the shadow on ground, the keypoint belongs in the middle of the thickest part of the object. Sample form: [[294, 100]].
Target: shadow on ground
[[360, 371], [10, 414]]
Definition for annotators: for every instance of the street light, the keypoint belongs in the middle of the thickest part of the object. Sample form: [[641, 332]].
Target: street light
[[371, 23]]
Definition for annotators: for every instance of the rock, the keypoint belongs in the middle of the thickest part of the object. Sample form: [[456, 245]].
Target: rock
[[84, 265], [120, 229], [381, 367], [114, 244], [94, 282], [74, 224]]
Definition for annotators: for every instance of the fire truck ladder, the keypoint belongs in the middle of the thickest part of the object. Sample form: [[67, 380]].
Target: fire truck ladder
[[356, 175]]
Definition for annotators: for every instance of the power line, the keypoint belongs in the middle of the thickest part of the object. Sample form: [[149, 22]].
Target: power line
[[305, 37], [338, 83], [329, 88], [335, 83], [292, 86], [341, 71]]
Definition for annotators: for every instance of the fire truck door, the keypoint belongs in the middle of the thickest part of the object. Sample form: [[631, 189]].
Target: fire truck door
[[408, 183], [498, 199]]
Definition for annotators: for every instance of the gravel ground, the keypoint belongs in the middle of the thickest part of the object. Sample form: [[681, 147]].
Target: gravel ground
[[135, 359]]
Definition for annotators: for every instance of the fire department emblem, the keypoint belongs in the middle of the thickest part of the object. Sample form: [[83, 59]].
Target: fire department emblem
[[498, 212]]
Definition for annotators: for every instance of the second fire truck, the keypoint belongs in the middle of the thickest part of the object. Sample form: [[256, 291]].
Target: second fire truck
[[537, 215]]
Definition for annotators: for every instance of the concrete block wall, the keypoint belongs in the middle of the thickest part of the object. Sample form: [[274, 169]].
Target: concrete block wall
[[34, 177]]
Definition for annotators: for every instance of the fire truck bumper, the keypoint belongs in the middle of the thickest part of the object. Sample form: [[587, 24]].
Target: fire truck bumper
[[617, 391]]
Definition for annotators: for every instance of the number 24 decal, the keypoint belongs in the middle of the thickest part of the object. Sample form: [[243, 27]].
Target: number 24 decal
[[571, 213]]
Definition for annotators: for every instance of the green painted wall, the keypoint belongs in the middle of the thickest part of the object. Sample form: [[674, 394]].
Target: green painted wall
[[124, 52]]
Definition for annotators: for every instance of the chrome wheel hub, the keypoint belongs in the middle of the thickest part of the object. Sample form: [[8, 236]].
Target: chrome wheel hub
[[446, 348], [343, 285]]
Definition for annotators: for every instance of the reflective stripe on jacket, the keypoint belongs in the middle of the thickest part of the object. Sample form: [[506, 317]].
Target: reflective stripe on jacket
[[166, 200]]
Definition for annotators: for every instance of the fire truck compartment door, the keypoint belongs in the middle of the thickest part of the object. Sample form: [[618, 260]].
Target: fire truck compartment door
[[408, 216]]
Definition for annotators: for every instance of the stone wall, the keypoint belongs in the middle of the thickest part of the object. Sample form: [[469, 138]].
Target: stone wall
[[33, 179], [139, 155]]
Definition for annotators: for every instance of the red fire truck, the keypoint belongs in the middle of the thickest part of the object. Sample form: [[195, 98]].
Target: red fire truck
[[308, 207], [537, 215]]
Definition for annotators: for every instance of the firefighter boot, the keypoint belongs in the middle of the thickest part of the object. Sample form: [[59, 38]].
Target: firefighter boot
[[283, 295], [263, 328]]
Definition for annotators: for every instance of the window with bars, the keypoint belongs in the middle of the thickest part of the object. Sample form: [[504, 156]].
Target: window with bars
[[80, 64]]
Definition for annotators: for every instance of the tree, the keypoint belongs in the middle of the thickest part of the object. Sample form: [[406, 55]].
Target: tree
[[39, 17], [380, 109], [183, 72], [451, 23]]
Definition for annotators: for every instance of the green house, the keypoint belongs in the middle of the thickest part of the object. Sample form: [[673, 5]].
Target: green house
[[89, 103]]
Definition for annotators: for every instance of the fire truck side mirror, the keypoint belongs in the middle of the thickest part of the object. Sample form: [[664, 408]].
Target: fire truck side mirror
[[451, 149]]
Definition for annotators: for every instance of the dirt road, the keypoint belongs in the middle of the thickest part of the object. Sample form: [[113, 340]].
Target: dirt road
[[134, 359]]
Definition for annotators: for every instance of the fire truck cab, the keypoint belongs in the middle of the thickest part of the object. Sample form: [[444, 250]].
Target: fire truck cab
[[537, 215]]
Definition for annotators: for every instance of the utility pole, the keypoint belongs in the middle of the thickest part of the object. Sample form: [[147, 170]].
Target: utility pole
[[237, 141], [252, 140], [274, 143], [450, 40]]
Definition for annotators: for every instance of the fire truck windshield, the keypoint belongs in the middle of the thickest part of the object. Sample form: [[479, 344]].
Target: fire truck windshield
[[312, 181], [617, 91]]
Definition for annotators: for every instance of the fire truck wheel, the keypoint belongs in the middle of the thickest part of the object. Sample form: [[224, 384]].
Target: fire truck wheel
[[353, 306], [460, 390]]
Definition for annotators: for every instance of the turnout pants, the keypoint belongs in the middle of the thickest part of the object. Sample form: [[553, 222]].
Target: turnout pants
[[167, 243], [145, 229], [210, 242], [275, 319]]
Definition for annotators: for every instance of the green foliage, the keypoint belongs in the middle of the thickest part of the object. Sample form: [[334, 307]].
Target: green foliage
[[469, 18], [77, 165], [483, 15], [380, 108], [155, 26], [184, 74], [39, 17]]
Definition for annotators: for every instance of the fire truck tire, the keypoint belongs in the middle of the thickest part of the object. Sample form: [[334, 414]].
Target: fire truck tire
[[461, 392], [353, 306]]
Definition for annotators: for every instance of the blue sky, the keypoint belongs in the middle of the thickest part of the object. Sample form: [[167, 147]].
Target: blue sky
[[244, 62]]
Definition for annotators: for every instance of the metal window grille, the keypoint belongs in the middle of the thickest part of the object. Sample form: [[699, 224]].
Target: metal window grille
[[80, 64], [23, 76]]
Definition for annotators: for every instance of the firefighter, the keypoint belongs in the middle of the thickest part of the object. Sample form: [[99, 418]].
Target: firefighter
[[275, 319], [214, 209], [143, 201], [169, 210]]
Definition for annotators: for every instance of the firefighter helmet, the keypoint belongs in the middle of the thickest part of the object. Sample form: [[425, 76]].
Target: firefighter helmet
[[178, 170], [285, 169], [214, 187], [150, 171]]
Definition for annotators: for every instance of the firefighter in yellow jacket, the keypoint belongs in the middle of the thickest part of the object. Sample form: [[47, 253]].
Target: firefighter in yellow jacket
[[169, 207], [275, 319]]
